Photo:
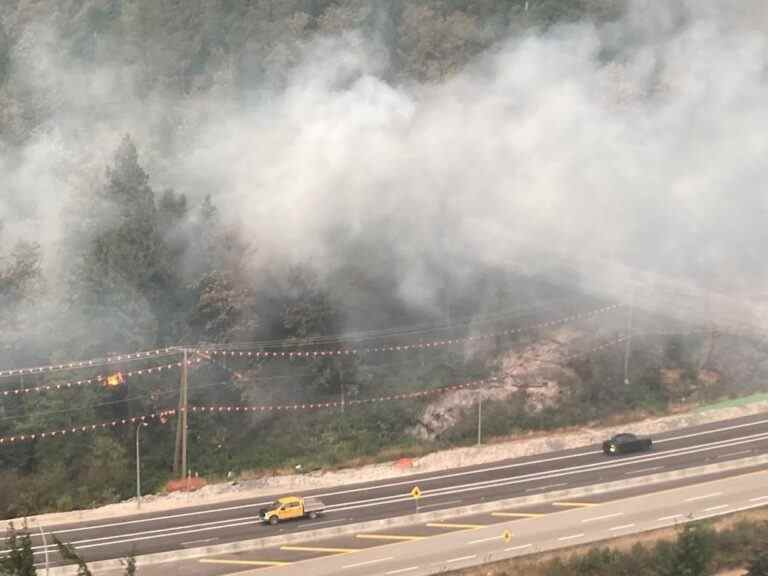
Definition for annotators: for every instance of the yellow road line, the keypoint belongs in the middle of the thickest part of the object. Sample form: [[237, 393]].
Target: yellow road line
[[314, 549], [459, 526], [242, 562], [517, 514], [574, 504], [388, 537]]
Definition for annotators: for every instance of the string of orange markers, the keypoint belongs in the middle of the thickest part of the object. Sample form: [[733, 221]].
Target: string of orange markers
[[161, 416], [173, 350], [108, 380], [90, 363], [312, 354]]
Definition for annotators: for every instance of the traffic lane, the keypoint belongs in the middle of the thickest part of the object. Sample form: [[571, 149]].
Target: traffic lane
[[597, 514], [574, 527], [665, 441], [144, 540], [146, 543]]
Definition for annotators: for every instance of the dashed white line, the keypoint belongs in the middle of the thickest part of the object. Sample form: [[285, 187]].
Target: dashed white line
[[368, 562], [485, 540], [651, 469], [571, 537], [402, 570], [516, 548], [713, 508], [705, 497], [622, 527], [606, 517], [547, 487], [673, 517], [758, 499], [461, 559]]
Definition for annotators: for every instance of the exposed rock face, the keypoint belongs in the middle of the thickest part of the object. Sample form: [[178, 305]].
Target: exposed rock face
[[537, 369]]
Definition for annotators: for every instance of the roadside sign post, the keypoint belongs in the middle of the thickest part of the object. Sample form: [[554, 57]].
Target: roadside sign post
[[416, 494]]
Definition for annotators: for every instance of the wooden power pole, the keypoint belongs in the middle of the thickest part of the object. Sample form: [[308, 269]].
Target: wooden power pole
[[180, 453]]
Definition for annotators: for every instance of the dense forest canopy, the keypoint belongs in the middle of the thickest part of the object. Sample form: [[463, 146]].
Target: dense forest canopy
[[185, 171]]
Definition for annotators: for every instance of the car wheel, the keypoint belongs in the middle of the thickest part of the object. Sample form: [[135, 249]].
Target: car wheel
[[274, 520]]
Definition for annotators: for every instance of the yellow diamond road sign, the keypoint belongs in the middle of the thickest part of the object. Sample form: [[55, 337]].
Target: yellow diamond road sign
[[507, 535], [416, 493]]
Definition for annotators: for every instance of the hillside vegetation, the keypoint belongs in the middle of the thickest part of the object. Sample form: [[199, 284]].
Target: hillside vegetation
[[101, 254]]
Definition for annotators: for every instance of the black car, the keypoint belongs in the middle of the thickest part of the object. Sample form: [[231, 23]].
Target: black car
[[625, 443]]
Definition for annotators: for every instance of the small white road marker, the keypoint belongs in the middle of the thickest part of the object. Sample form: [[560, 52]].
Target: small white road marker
[[486, 539], [705, 497], [402, 570], [606, 517], [461, 558], [571, 537], [516, 548], [713, 508], [368, 562], [673, 517], [622, 527], [758, 499]]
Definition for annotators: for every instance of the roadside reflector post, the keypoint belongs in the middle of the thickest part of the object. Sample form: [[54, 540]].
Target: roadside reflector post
[[416, 494]]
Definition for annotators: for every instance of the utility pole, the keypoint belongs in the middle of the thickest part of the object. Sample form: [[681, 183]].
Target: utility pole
[[628, 347], [480, 421], [180, 453], [138, 464]]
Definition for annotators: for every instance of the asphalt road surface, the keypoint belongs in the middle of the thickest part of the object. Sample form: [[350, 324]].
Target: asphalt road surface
[[235, 521]]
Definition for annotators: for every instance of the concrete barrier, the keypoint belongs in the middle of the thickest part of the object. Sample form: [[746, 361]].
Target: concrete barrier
[[419, 518]]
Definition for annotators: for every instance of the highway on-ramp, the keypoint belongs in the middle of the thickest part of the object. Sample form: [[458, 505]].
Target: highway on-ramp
[[237, 521]]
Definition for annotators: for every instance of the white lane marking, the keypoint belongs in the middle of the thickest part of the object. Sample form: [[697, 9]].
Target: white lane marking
[[759, 499], [485, 539], [705, 497], [113, 542], [593, 467], [571, 537], [598, 518], [440, 504], [713, 508], [461, 558], [161, 532], [402, 570], [203, 541], [651, 469], [673, 517], [547, 487], [404, 482], [622, 527], [732, 454], [368, 562], [516, 548]]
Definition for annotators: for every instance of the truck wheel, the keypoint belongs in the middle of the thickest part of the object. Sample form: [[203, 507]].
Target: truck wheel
[[313, 515], [274, 520]]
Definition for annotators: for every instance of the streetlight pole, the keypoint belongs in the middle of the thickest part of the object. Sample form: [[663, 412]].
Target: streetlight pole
[[480, 421], [628, 347], [138, 464], [45, 548]]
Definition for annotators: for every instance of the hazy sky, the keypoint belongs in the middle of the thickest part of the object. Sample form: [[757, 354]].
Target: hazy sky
[[642, 141]]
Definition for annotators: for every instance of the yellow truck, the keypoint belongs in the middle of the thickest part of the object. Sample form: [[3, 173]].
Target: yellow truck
[[290, 508]]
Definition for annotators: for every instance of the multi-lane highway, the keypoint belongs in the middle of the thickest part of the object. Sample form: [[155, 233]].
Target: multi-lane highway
[[237, 521]]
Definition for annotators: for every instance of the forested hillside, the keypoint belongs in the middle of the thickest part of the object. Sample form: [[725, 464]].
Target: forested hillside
[[281, 179]]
